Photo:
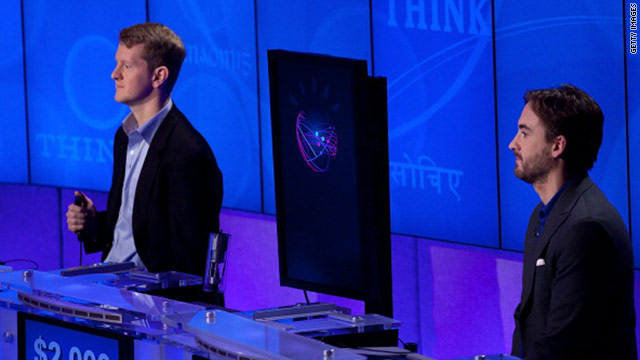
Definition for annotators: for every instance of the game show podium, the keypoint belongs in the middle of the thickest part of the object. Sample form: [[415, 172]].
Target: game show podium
[[490, 357], [47, 316]]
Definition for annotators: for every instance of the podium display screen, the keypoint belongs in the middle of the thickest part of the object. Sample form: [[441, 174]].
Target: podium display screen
[[48, 339]]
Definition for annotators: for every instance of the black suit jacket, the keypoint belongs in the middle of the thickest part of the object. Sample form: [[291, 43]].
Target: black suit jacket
[[577, 282], [177, 200]]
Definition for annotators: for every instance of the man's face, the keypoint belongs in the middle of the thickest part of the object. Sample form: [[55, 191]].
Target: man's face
[[132, 77], [531, 148]]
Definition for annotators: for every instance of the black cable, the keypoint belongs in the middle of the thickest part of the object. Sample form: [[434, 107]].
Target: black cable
[[306, 296], [410, 346], [25, 260], [81, 200]]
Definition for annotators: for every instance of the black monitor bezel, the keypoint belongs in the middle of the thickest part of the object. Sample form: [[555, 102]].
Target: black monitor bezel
[[369, 96]]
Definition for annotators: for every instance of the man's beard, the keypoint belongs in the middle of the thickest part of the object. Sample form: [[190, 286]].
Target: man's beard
[[535, 168]]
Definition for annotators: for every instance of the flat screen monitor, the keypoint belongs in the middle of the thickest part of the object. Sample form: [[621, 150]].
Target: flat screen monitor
[[329, 129]]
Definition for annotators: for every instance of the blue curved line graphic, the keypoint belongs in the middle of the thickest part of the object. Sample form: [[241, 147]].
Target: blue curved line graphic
[[466, 71], [582, 20], [441, 52], [513, 33], [430, 69], [444, 99], [103, 123], [192, 11], [195, 15], [559, 19]]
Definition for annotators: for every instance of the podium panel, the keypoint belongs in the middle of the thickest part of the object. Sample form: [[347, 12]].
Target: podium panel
[[103, 316]]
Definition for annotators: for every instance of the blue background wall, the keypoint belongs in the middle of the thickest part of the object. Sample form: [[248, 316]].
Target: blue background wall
[[438, 58], [456, 72], [13, 141]]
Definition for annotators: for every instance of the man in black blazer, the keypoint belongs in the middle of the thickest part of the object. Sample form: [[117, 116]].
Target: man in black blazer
[[577, 283], [166, 190]]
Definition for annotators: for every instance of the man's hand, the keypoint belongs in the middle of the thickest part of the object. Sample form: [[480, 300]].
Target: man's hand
[[81, 213]]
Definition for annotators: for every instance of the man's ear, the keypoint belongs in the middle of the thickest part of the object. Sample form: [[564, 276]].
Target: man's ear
[[559, 146], [160, 76]]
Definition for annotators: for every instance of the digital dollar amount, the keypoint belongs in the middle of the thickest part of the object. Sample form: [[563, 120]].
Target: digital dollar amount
[[53, 351]]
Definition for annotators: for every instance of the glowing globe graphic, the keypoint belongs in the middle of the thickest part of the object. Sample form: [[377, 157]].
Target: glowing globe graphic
[[317, 141]]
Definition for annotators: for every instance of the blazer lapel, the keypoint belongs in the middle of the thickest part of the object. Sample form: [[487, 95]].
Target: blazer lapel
[[150, 168], [115, 194], [529, 258], [557, 217], [561, 211]]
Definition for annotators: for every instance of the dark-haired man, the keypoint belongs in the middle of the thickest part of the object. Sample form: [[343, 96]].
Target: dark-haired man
[[166, 190], [577, 287]]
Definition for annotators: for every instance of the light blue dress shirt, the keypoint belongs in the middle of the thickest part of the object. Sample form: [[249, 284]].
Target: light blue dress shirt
[[124, 249]]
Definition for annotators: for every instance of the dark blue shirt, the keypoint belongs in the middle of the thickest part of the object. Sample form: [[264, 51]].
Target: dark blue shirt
[[545, 210]]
